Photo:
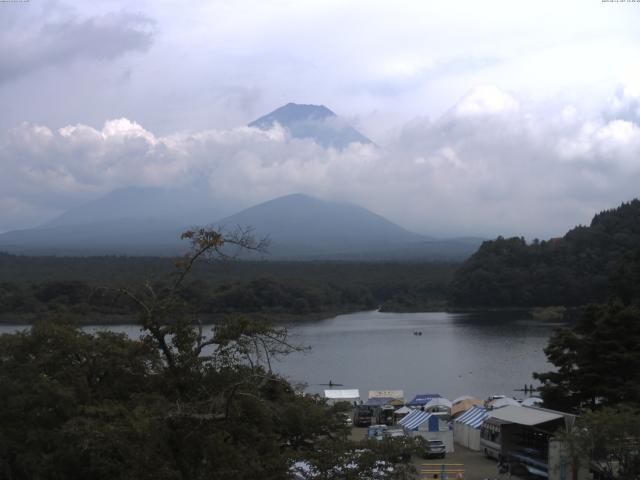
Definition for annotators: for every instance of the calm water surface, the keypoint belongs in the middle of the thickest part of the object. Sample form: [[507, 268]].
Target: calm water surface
[[472, 353], [457, 354]]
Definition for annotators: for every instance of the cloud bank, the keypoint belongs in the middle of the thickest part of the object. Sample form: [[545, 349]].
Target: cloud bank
[[36, 40], [491, 164]]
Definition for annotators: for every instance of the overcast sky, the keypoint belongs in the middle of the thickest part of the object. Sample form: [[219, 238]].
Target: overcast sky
[[513, 118]]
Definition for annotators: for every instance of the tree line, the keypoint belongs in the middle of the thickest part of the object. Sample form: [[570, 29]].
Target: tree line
[[597, 376], [183, 402], [292, 288], [575, 270]]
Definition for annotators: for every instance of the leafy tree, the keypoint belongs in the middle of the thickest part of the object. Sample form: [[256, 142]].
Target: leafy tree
[[574, 270], [610, 439], [180, 403], [597, 362]]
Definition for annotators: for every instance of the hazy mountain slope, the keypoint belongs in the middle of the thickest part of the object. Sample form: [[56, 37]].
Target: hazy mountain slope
[[135, 220], [312, 121], [301, 225], [185, 205], [121, 236]]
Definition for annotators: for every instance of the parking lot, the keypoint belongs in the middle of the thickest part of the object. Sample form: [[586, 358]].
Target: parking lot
[[472, 465]]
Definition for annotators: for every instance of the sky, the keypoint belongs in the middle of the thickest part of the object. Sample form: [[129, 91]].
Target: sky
[[489, 118]]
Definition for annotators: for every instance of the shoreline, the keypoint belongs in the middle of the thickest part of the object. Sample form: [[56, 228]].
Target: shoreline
[[99, 319], [130, 319]]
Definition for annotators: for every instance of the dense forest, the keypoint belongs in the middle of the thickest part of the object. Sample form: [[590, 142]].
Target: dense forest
[[596, 375], [30, 286], [576, 269], [103, 406]]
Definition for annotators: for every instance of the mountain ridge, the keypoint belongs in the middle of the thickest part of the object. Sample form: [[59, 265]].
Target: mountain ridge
[[301, 227]]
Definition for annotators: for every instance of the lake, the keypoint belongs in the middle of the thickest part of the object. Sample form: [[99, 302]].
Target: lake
[[477, 354]]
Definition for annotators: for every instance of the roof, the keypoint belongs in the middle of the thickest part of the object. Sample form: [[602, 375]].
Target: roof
[[503, 402], [464, 405], [461, 398], [473, 417], [422, 398], [438, 402], [375, 401], [386, 394], [403, 410], [532, 401], [525, 415], [415, 419], [342, 394]]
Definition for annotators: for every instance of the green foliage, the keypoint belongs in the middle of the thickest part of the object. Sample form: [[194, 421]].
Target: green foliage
[[71, 403], [610, 438], [274, 288], [179, 403], [597, 362], [371, 459], [570, 271]]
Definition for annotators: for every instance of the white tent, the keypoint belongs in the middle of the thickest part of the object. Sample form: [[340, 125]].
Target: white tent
[[403, 411], [504, 402], [531, 401], [428, 426], [438, 402], [342, 395], [461, 398], [466, 428]]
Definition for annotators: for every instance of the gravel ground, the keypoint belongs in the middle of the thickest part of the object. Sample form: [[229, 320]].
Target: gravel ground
[[474, 464]]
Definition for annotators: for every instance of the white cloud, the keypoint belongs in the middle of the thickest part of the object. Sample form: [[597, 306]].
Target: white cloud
[[496, 168], [485, 100]]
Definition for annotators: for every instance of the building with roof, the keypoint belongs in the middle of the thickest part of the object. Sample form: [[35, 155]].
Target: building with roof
[[349, 395], [466, 427], [393, 394], [525, 438]]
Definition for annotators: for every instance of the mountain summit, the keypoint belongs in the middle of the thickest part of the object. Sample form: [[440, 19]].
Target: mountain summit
[[316, 122]]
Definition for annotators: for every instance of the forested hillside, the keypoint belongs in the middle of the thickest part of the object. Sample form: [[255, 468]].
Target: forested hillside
[[31, 286], [572, 270]]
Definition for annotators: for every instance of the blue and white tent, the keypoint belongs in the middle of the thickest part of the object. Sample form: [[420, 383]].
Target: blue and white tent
[[466, 428], [473, 417], [422, 399], [420, 420]]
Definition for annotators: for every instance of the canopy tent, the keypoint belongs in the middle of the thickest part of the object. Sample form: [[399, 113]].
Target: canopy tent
[[461, 398], [473, 417], [422, 399], [464, 405], [342, 395], [428, 426], [438, 402], [417, 419], [466, 428], [403, 411], [531, 401], [504, 402], [400, 413]]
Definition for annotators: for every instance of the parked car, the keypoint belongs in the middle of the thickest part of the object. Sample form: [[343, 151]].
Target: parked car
[[434, 449], [348, 418], [394, 433], [376, 431]]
